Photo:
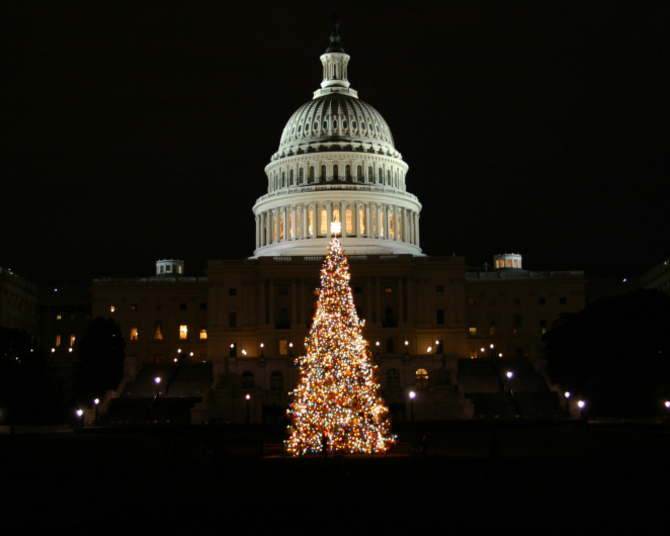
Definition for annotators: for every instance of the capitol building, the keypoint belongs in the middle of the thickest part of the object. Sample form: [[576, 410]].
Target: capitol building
[[247, 319]]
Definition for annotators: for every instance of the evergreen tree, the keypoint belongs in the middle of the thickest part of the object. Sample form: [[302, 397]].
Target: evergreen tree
[[337, 402]]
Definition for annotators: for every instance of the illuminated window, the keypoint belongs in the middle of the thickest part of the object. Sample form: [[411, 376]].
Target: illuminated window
[[374, 223], [392, 379], [516, 263], [336, 214], [59, 317], [112, 308], [281, 227], [361, 221], [381, 224], [183, 331], [473, 328], [276, 381], [203, 334], [422, 378], [283, 347], [133, 334], [57, 340], [158, 333], [298, 231], [509, 263], [324, 222], [72, 339], [248, 380], [310, 223], [392, 225], [133, 307], [350, 222]]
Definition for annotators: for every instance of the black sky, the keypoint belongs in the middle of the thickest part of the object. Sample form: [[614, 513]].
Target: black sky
[[139, 131]]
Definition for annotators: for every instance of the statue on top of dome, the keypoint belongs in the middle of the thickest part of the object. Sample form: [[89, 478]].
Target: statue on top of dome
[[335, 37]]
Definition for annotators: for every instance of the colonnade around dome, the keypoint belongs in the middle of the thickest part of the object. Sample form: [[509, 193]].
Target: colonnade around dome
[[359, 219]]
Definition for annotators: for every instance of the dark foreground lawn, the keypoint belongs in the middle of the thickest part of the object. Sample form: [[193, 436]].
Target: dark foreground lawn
[[544, 480]]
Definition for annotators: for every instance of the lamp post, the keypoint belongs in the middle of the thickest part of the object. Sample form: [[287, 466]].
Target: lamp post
[[567, 402], [96, 402], [412, 396], [80, 414], [580, 405], [248, 397], [491, 347], [509, 375]]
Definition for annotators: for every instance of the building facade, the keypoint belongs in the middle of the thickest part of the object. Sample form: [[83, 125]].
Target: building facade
[[336, 162]]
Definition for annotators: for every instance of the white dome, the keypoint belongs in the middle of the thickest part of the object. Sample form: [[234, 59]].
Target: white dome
[[336, 119], [336, 162]]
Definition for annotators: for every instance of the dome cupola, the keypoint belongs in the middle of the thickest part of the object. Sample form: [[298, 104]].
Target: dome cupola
[[336, 161]]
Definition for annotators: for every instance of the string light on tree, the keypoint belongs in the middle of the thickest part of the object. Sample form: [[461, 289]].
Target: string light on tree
[[337, 397]]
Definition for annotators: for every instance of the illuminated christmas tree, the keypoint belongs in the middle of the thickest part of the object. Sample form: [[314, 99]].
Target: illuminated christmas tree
[[337, 401]]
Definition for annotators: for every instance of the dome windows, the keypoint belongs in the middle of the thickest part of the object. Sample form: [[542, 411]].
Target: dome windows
[[370, 126], [325, 125], [334, 123], [344, 123], [299, 128], [353, 124]]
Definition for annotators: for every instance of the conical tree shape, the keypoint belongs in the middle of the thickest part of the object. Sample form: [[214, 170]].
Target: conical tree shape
[[337, 394]]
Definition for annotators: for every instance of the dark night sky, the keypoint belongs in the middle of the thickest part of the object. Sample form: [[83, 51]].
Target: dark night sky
[[139, 131]]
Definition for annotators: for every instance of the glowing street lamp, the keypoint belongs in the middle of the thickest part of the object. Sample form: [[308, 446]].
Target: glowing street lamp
[[248, 398], [412, 396], [96, 402], [80, 414]]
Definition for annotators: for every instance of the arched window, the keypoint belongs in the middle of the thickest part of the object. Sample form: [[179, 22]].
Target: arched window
[[380, 178], [323, 231], [422, 378], [283, 179], [347, 172], [359, 173], [311, 174], [388, 177], [248, 380], [371, 177], [301, 176], [392, 379], [361, 221], [290, 178], [335, 172], [276, 381], [350, 221], [323, 173]]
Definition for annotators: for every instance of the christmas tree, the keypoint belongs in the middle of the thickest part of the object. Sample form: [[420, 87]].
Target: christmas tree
[[337, 402]]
